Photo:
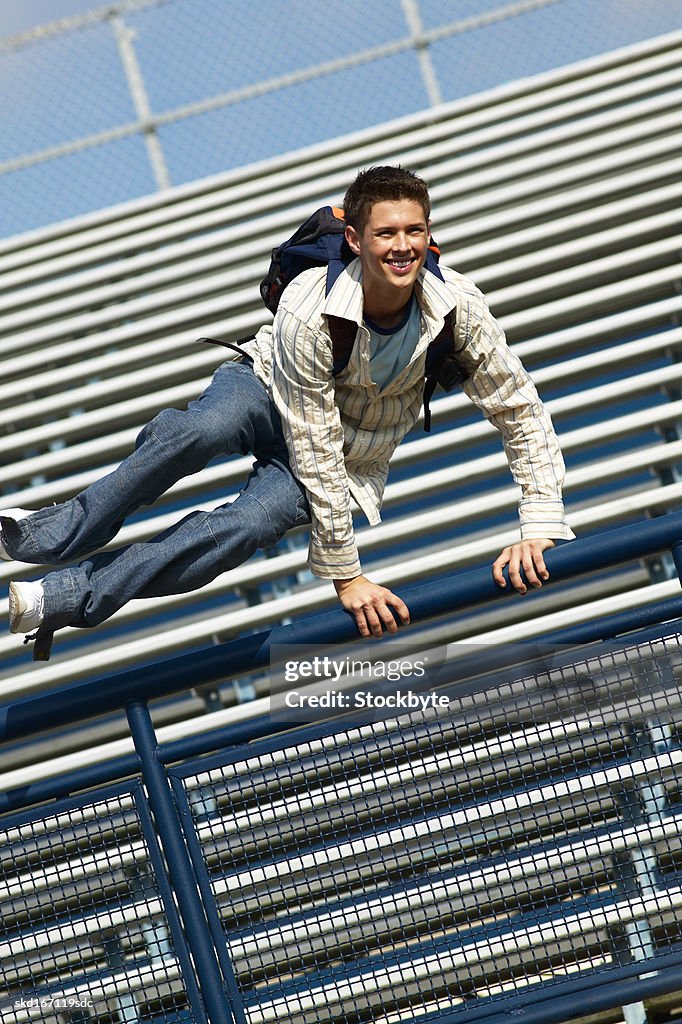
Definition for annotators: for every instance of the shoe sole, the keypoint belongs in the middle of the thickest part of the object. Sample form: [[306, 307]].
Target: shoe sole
[[17, 608], [16, 514]]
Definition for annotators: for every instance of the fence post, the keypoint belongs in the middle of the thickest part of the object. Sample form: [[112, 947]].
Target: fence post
[[180, 871], [124, 40], [414, 21]]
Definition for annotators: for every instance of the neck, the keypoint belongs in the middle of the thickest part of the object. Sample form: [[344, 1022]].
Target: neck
[[386, 313]]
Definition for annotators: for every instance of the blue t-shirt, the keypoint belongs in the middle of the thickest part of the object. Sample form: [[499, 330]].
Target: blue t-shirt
[[391, 348]]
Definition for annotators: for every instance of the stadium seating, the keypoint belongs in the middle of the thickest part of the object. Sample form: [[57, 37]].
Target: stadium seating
[[560, 196], [495, 851]]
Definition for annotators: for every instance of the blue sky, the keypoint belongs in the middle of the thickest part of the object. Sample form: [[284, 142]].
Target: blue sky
[[19, 15], [73, 85]]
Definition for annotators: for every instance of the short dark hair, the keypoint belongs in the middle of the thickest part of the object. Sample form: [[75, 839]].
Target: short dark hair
[[379, 184]]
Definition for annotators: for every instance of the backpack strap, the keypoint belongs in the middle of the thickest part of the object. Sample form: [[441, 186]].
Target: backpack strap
[[234, 345], [343, 333], [442, 366]]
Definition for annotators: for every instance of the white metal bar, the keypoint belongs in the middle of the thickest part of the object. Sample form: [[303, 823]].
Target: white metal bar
[[545, 89], [400, 836], [413, 451], [338, 180], [460, 473], [72, 870], [320, 596], [372, 982], [639, 318], [328, 926], [538, 317], [38, 305], [142, 270]]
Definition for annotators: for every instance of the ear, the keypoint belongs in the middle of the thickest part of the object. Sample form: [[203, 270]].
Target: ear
[[353, 239]]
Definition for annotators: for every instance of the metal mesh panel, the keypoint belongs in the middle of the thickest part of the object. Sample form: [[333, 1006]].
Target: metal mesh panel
[[529, 835], [84, 932], [161, 92], [539, 38]]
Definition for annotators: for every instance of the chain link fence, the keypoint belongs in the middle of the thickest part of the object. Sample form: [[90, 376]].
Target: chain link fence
[[147, 94]]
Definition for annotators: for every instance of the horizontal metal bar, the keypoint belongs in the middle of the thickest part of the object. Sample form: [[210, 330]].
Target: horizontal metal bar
[[253, 724], [82, 867], [106, 988], [578, 996], [242, 656], [310, 600], [70, 928], [56, 299], [639, 319], [324, 924], [443, 824], [99, 398], [57, 786], [380, 980], [618, 466]]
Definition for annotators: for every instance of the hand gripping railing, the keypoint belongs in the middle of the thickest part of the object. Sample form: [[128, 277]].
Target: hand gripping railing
[[22, 715]]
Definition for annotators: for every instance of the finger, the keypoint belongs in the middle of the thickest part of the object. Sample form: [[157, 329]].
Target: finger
[[388, 619], [403, 611], [542, 570], [374, 622], [529, 570], [498, 566], [515, 574], [361, 622]]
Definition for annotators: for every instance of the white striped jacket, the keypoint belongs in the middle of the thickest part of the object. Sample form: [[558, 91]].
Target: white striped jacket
[[341, 431]]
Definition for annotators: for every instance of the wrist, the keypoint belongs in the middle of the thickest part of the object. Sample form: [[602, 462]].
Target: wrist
[[341, 585]]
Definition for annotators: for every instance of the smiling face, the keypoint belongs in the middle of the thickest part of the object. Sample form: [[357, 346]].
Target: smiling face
[[392, 248]]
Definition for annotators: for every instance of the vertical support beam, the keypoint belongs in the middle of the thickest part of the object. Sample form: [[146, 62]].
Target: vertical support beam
[[646, 801], [677, 558], [180, 870], [124, 39], [416, 27]]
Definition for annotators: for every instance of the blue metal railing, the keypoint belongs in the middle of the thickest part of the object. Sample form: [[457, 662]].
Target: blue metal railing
[[222, 995], [239, 657]]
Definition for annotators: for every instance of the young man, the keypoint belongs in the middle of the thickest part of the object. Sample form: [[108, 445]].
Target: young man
[[319, 440]]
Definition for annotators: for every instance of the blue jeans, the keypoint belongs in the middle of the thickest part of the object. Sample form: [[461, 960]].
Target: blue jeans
[[234, 415]]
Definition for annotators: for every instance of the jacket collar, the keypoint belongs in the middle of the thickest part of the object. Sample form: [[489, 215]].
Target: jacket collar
[[345, 299]]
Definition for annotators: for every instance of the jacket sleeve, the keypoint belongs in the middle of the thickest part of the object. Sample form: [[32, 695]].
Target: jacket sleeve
[[498, 384], [303, 393]]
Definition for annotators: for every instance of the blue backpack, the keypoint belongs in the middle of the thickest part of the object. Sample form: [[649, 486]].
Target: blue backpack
[[320, 242]]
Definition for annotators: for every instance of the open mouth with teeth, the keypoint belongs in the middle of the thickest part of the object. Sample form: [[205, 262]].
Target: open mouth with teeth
[[403, 263]]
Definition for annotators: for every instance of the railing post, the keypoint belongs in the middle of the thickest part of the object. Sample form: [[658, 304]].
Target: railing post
[[677, 558], [180, 869]]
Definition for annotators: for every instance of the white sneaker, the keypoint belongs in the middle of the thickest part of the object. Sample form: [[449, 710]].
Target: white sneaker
[[26, 606], [16, 514]]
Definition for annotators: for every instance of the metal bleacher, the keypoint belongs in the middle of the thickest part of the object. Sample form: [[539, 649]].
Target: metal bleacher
[[515, 852], [430, 868], [560, 196]]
